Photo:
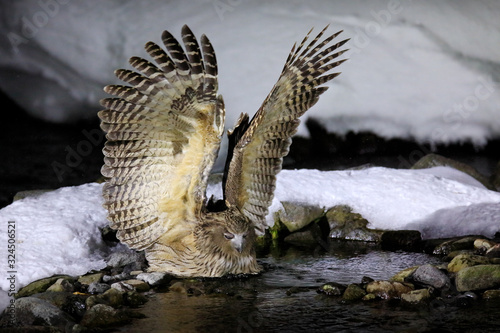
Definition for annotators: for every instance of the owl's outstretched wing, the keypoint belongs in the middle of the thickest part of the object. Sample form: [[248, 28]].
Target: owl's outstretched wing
[[163, 135], [260, 145]]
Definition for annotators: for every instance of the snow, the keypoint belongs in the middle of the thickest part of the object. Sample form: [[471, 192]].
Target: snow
[[58, 232], [417, 69]]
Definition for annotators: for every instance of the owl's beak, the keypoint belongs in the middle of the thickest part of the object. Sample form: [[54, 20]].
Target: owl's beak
[[237, 242]]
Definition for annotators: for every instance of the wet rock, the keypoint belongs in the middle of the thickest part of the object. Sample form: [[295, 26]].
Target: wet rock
[[344, 224], [310, 236], [97, 288], [353, 292], [39, 286], [296, 290], [403, 275], [406, 240], [90, 278], [35, 311], [429, 275], [134, 299], [465, 300], [493, 252], [332, 289], [466, 260], [178, 287], [478, 277], [434, 160], [113, 297], [387, 289], [155, 279], [451, 245], [451, 255], [61, 285], [491, 294], [126, 257], [483, 245], [131, 285], [296, 216], [416, 296], [116, 278], [102, 315]]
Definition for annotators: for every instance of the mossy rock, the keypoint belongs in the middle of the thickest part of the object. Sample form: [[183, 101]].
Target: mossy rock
[[347, 225], [402, 275], [478, 277], [462, 261], [353, 292], [40, 286], [296, 216]]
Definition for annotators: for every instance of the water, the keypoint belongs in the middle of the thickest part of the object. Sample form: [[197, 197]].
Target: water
[[284, 299]]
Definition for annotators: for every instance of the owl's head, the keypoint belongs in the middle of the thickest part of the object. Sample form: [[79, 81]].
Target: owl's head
[[229, 231]]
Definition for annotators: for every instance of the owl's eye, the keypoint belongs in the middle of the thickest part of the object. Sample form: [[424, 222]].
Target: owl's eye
[[228, 235]]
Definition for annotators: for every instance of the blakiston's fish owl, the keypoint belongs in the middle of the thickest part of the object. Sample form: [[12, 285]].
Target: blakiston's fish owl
[[163, 135]]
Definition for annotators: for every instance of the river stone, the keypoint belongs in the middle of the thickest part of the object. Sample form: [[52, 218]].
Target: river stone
[[39, 286], [386, 289], [90, 278], [353, 292], [402, 275], [332, 289], [97, 288], [451, 245], [494, 251], [102, 315], [483, 244], [126, 257], [344, 224], [406, 240], [113, 297], [155, 279], [416, 296], [431, 276], [61, 285], [134, 299], [296, 216], [434, 160], [466, 260], [491, 294], [35, 311], [310, 236], [138, 285], [478, 278]]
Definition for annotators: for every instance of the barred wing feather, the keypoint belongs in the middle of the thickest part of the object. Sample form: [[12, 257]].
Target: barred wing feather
[[163, 135], [258, 154]]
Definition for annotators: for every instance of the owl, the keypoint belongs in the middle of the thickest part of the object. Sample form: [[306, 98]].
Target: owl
[[163, 133]]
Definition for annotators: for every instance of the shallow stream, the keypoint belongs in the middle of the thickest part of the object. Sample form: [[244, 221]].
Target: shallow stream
[[284, 299]]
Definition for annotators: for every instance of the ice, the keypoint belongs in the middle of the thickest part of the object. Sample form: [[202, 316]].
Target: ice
[[58, 232], [418, 69]]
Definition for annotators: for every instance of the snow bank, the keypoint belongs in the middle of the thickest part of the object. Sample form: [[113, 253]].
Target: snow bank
[[58, 232], [421, 69]]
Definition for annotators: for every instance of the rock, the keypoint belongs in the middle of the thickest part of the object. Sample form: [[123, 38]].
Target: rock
[[478, 277], [466, 260], [72, 304], [429, 275], [369, 297], [353, 292], [332, 289], [155, 279], [451, 245], [491, 294], [116, 278], [483, 244], [97, 288], [178, 287], [90, 278], [451, 255], [35, 311], [434, 160], [61, 285], [494, 251], [102, 315], [344, 224], [406, 240], [310, 236], [113, 297], [134, 299], [403, 275], [126, 257], [296, 216], [466, 299], [39, 286], [416, 296], [387, 289], [131, 285]]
